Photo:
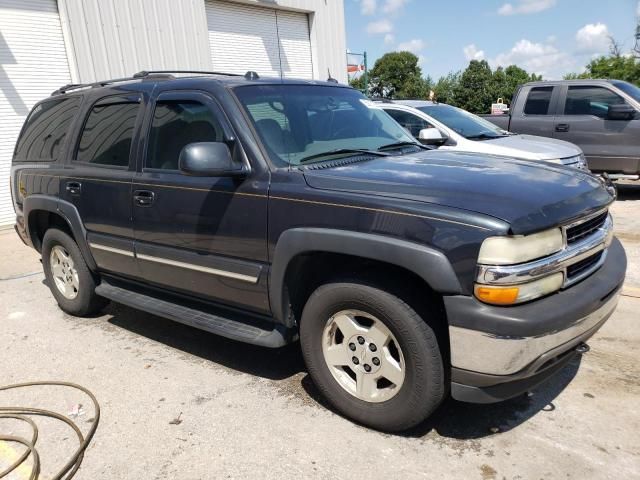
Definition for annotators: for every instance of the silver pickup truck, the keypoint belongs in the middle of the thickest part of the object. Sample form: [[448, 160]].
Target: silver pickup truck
[[602, 117]]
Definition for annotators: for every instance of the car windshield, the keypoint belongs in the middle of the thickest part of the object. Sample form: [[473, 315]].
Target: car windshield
[[466, 124], [311, 123], [629, 89]]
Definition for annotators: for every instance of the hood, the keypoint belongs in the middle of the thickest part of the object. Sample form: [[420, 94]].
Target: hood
[[531, 147], [529, 196]]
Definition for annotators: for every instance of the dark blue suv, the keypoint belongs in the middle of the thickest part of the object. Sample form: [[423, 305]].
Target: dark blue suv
[[270, 210]]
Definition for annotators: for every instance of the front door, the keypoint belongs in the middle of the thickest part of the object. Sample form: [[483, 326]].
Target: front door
[[199, 236], [609, 145], [99, 180]]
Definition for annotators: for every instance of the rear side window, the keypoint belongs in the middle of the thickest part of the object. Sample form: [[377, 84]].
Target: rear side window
[[107, 134], [538, 101], [46, 129], [177, 124], [585, 100]]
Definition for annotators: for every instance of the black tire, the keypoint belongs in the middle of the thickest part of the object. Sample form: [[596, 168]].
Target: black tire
[[424, 386], [86, 301]]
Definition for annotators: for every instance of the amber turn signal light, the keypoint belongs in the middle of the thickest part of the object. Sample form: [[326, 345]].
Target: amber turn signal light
[[497, 295]]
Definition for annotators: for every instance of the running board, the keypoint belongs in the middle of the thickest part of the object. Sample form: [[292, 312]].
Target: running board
[[224, 326]]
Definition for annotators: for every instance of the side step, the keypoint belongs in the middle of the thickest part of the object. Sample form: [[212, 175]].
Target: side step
[[234, 329]]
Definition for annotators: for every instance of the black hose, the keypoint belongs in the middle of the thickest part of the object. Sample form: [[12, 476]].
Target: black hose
[[23, 414]]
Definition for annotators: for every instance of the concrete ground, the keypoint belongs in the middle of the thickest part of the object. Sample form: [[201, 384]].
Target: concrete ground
[[178, 403]]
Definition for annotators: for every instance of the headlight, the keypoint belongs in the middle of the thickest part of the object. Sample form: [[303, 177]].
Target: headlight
[[514, 294], [521, 248]]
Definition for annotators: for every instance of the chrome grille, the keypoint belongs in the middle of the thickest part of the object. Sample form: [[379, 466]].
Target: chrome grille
[[582, 230], [578, 268]]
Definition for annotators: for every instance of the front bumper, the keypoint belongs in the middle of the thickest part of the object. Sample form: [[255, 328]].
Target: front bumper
[[500, 352]]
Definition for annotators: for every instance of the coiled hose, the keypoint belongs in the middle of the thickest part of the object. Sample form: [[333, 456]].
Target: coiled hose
[[23, 414]]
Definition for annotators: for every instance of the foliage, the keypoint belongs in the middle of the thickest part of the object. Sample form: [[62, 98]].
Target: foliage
[[398, 75], [445, 87], [475, 90], [618, 67]]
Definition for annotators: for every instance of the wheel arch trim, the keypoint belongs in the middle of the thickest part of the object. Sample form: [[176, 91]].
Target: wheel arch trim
[[68, 212], [426, 262]]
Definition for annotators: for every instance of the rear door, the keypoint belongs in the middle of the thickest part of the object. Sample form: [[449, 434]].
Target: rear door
[[200, 236], [609, 145], [98, 181], [535, 114]]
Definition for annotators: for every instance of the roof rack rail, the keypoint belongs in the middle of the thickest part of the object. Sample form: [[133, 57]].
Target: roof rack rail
[[102, 83], [146, 73]]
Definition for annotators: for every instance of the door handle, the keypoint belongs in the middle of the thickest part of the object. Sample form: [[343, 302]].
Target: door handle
[[562, 127], [143, 198], [74, 188]]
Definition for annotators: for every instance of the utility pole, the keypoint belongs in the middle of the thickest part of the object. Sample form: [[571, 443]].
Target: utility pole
[[636, 48], [356, 69]]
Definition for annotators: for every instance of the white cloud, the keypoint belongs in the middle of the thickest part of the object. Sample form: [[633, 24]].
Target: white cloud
[[525, 7], [389, 38], [593, 38], [380, 27], [638, 10], [414, 46], [368, 7], [540, 58], [393, 6], [471, 52]]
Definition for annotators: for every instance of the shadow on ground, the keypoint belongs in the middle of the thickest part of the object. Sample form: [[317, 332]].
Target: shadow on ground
[[456, 420]]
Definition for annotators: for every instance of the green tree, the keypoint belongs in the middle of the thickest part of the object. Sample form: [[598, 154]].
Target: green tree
[[445, 87], [475, 89], [397, 74], [614, 67]]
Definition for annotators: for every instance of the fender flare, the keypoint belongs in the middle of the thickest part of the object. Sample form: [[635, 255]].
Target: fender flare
[[69, 213], [426, 262]]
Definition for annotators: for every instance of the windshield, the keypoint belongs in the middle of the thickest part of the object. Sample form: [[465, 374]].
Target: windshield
[[629, 89], [466, 124], [302, 123]]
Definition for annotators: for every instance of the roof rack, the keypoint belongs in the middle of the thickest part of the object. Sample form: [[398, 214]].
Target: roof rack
[[146, 73], [77, 86]]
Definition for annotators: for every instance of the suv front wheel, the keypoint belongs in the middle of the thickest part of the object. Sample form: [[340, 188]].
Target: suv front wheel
[[372, 356], [68, 276]]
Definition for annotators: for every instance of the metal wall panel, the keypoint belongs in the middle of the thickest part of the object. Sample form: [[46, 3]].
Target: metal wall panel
[[117, 38], [33, 63]]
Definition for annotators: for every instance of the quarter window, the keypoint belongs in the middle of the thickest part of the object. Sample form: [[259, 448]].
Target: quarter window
[[585, 100], [45, 130], [538, 101], [106, 138], [177, 124]]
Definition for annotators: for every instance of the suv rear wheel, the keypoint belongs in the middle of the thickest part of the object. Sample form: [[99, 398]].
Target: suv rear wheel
[[68, 276], [372, 356]]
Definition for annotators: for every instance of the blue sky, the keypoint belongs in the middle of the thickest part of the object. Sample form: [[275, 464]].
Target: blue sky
[[548, 37]]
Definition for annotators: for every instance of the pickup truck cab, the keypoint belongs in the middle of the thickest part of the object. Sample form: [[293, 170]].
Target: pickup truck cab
[[602, 117], [452, 128], [271, 210]]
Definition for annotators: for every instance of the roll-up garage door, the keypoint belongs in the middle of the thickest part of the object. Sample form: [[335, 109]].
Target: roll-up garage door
[[33, 63], [268, 41]]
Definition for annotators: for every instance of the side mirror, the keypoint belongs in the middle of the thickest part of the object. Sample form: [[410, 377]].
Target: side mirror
[[621, 111], [208, 159], [431, 136]]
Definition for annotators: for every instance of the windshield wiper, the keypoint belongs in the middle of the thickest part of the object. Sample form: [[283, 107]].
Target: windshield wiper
[[484, 136], [402, 144], [339, 151]]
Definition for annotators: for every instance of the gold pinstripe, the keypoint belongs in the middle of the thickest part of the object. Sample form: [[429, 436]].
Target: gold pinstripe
[[288, 199]]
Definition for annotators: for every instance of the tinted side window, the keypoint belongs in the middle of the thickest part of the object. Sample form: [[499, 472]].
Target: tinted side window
[[46, 129], [175, 125], [585, 100], [107, 134], [538, 101], [410, 122]]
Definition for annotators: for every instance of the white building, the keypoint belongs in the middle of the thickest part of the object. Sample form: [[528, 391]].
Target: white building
[[45, 44]]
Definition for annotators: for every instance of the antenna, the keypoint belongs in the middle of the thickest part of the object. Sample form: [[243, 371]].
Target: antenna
[[331, 79]]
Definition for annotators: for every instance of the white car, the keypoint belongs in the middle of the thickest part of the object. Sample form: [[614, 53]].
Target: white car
[[452, 128]]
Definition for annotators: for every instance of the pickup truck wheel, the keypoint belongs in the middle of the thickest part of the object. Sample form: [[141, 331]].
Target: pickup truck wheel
[[68, 276], [372, 356]]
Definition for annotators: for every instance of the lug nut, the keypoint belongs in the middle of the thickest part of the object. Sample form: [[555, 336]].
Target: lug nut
[[355, 360], [367, 367], [373, 347], [376, 361], [352, 346], [360, 340]]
